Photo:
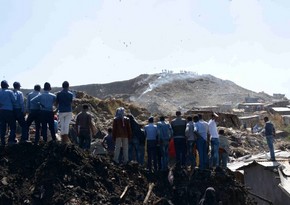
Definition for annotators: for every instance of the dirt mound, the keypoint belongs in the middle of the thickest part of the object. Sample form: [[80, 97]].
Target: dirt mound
[[63, 174]]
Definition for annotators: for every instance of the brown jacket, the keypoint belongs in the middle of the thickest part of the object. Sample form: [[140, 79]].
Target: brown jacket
[[122, 128]]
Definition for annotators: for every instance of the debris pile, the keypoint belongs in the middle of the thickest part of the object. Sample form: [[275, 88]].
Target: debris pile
[[55, 173]]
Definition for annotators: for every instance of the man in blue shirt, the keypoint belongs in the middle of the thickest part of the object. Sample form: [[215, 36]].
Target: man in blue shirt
[[7, 100], [46, 100], [64, 100], [151, 137], [33, 109], [19, 111], [164, 134]]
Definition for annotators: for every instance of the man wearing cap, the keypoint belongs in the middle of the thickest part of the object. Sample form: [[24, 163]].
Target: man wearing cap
[[19, 111], [214, 139], [33, 109], [46, 100], [7, 100], [64, 100]]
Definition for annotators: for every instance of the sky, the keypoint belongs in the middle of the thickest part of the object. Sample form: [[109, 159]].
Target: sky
[[103, 41]]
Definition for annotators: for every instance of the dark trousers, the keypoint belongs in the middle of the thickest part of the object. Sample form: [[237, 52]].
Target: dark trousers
[[85, 139], [34, 115], [180, 150], [19, 116], [152, 155], [47, 118], [7, 118]]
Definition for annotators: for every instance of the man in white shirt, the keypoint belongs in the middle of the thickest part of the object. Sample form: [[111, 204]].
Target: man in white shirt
[[214, 139]]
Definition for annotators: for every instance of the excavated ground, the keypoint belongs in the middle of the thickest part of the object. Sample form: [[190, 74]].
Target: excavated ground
[[60, 174]]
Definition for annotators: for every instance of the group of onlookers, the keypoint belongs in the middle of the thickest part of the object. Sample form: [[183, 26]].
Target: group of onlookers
[[191, 137], [126, 139], [40, 108]]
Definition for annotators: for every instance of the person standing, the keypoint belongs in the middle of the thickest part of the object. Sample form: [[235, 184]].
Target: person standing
[[191, 142], [224, 149], [178, 127], [46, 101], [214, 139], [19, 111], [122, 133], [7, 100], [108, 143], [134, 144], [64, 101], [269, 131], [164, 134], [33, 110], [84, 126], [200, 130], [151, 137]]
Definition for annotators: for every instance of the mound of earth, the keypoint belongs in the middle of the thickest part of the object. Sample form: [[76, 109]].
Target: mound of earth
[[55, 173]]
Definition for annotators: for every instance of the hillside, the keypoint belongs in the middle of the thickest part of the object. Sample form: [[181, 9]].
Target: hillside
[[167, 92]]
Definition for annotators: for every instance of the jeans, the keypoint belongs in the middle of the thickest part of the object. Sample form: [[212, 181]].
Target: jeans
[[190, 153], [47, 118], [85, 139], [19, 116], [202, 152], [134, 150], [33, 116], [151, 154], [180, 150], [141, 154], [224, 157], [271, 146], [214, 158], [164, 154], [7, 117]]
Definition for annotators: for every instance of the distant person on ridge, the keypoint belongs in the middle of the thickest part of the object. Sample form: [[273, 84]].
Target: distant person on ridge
[[46, 100], [122, 133], [33, 109], [84, 126], [19, 111], [64, 100], [7, 100], [178, 127]]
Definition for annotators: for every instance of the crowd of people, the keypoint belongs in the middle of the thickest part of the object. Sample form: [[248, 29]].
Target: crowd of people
[[188, 139], [191, 139], [40, 108]]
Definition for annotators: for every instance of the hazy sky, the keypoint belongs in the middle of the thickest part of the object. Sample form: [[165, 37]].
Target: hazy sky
[[101, 41]]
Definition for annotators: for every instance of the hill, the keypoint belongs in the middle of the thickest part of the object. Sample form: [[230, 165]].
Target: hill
[[167, 92]]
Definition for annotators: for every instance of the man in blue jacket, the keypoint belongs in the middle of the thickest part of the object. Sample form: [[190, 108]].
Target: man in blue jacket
[[7, 100]]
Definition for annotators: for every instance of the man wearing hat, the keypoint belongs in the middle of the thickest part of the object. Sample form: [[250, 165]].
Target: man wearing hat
[[7, 100], [19, 111]]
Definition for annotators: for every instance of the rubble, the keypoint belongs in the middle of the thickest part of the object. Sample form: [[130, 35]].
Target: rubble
[[56, 173]]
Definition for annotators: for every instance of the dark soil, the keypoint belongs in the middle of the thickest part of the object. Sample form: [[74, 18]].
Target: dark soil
[[55, 173]]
